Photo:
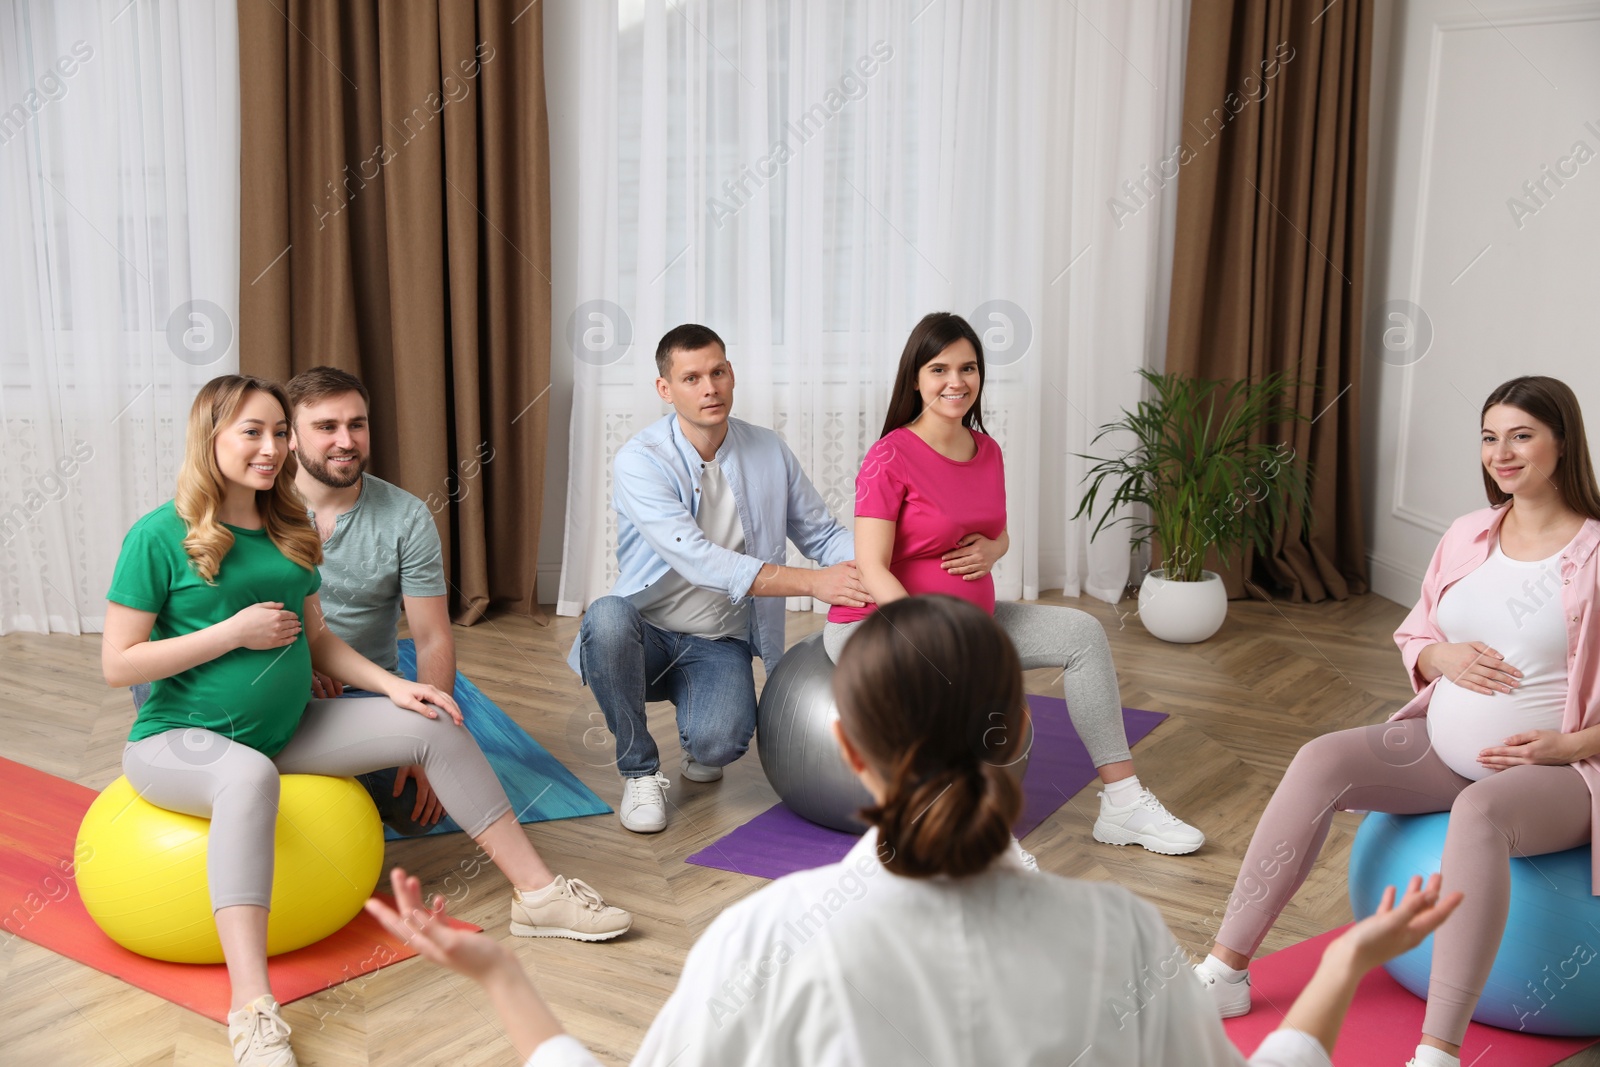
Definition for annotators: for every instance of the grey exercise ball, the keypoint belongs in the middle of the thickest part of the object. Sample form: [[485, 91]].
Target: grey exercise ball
[[794, 737]]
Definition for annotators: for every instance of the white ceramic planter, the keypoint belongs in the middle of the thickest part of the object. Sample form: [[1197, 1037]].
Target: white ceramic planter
[[1182, 612]]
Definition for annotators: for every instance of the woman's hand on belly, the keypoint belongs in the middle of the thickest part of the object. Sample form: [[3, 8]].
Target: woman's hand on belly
[[1472, 665], [974, 556], [1543, 747]]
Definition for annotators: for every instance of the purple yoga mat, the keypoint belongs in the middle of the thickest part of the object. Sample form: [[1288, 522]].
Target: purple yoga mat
[[779, 842]]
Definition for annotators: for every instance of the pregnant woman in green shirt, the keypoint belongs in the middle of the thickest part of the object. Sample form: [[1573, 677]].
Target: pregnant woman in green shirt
[[214, 602]]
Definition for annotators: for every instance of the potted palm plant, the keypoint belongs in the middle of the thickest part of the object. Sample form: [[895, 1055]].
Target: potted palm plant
[[1206, 480]]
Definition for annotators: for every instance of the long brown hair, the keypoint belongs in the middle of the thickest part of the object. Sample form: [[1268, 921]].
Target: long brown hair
[[936, 332], [202, 487], [929, 692], [1553, 403]]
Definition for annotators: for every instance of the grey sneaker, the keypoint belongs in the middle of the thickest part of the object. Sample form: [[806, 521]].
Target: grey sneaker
[[644, 803], [699, 772], [572, 910], [259, 1036]]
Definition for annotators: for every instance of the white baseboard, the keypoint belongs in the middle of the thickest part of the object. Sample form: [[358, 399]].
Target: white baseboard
[[547, 584], [1394, 581]]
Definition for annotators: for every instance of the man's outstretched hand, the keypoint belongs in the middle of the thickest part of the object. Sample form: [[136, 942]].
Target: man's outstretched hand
[[841, 584]]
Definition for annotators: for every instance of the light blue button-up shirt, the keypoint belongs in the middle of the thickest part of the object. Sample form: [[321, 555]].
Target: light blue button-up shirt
[[655, 491]]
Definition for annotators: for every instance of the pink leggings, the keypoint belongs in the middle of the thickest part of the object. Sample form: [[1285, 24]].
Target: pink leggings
[[1391, 767]]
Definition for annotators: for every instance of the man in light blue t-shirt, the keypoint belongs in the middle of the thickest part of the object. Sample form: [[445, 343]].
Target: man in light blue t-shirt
[[381, 555]]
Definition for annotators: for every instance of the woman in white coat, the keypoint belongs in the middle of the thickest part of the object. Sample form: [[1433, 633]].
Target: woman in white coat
[[930, 942]]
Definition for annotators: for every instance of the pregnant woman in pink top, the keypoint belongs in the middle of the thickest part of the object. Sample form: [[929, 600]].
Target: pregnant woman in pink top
[[1504, 732], [931, 518]]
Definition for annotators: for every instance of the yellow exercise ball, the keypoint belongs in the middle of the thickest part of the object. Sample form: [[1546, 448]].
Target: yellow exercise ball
[[143, 873]]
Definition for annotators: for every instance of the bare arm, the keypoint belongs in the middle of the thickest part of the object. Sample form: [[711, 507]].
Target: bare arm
[[838, 584], [331, 656], [774, 580], [428, 618], [129, 657], [874, 550]]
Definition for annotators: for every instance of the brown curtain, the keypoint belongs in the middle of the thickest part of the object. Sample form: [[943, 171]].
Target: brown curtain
[[1267, 271], [395, 188]]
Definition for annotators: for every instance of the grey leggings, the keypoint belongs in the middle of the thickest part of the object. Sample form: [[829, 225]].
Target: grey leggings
[[202, 773], [1391, 767], [1047, 635]]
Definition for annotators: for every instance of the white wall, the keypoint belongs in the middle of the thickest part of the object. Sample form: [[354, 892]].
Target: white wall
[[1473, 99]]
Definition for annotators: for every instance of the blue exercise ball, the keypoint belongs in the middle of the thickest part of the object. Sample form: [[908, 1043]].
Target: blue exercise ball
[[794, 737], [1546, 978]]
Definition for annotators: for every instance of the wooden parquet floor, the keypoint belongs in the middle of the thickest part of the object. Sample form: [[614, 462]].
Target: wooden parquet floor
[[1240, 704]]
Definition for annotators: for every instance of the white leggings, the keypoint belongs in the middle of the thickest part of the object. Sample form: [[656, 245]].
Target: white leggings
[[202, 773]]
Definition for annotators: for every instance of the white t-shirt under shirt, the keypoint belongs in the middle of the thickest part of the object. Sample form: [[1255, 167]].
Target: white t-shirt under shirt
[[1514, 607], [673, 603]]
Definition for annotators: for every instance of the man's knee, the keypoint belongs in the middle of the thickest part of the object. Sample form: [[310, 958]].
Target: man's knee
[[394, 811], [719, 751], [609, 619]]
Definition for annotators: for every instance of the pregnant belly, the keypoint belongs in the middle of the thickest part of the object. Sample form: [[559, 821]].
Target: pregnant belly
[[924, 576], [1462, 723]]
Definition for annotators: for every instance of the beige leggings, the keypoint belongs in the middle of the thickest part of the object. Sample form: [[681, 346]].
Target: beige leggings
[[202, 773], [1391, 767]]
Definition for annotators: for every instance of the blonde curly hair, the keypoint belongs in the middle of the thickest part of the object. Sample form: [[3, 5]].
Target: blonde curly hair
[[202, 487]]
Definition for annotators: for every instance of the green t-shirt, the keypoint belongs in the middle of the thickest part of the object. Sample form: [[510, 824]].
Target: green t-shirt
[[254, 696]]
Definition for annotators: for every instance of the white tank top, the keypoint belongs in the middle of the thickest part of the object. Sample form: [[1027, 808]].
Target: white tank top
[[1514, 607]]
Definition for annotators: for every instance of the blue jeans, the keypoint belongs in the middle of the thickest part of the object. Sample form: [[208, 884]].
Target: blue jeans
[[627, 662]]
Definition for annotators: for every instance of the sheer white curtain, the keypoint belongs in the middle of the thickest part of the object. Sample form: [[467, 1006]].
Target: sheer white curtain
[[810, 177], [119, 251]]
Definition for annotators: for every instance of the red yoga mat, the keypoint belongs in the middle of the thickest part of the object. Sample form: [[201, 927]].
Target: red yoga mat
[[1384, 1021], [39, 902]]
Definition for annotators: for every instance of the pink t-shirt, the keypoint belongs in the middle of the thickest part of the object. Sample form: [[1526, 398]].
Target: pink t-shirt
[[933, 502]]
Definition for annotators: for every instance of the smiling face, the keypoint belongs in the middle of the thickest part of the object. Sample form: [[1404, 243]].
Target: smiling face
[[700, 388], [949, 382], [1520, 453], [332, 440], [251, 450]]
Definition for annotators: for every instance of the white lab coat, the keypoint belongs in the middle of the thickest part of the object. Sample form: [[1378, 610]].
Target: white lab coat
[[851, 965]]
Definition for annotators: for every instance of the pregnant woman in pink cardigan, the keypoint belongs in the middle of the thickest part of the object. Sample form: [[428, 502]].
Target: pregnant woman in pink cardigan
[[1504, 731]]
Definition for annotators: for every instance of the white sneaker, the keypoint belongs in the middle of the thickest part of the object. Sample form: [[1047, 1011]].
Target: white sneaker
[[1145, 822], [699, 772], [1231, 996], [259, 1036], [569, 908], [644, 803], [1026, 858], [1428, 1056]]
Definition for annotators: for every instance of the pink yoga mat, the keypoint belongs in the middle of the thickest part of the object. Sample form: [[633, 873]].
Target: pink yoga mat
[[1384, 1021]]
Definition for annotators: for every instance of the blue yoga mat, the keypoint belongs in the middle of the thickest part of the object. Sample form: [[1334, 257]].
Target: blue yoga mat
[[540, 788]]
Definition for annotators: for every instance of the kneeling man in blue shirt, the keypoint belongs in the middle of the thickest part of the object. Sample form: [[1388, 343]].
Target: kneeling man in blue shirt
[[704, 504]]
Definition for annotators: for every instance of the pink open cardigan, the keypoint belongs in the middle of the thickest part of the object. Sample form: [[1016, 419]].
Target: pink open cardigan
[[1466, 545]]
